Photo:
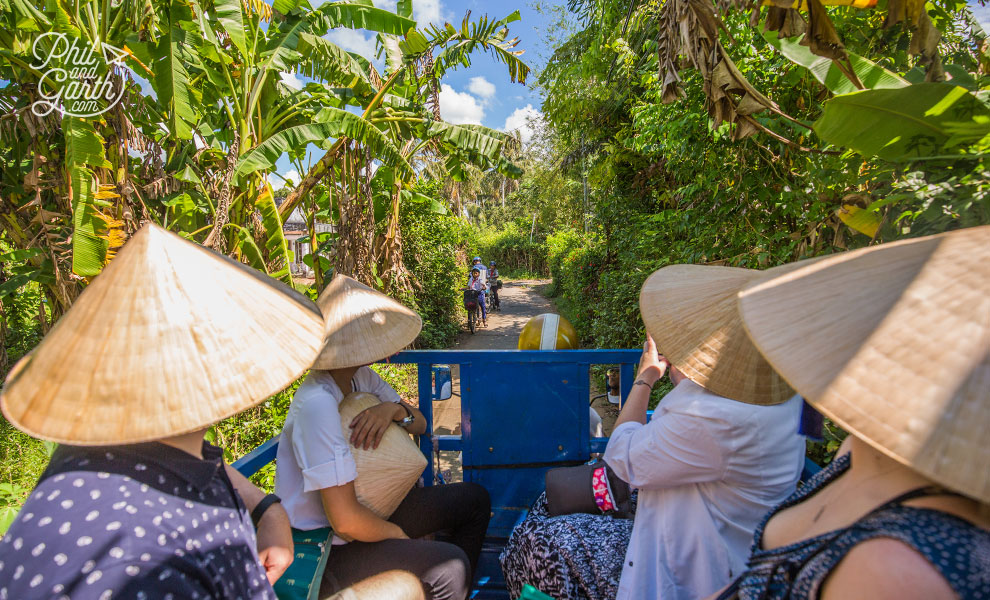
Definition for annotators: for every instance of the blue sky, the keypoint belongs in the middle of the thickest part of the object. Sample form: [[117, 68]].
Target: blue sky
[[482, 93], [982, 14]]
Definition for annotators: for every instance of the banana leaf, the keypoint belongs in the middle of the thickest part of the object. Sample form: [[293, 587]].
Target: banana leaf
[[247, 249], [337, 123], [926, 119], [281, 53], [83, 150], [359, 16], [171, 82], [328, 62], [474, 139], [870, 74], [275, 243], [232, 20]]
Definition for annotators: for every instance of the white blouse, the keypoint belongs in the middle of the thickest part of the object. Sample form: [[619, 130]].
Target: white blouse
[[313, 450], [707, 468]]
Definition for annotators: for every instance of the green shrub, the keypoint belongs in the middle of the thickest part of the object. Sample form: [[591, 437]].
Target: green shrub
[[558, 246], [511, 248], [431, 246]]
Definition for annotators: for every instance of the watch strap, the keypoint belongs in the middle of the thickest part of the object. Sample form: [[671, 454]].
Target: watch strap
[[408, 419], [264, 505]]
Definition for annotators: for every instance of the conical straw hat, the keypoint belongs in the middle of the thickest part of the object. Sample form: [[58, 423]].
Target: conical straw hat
[[169, 339], [893, 343], [387, 473], [690, 310], [363, 325]]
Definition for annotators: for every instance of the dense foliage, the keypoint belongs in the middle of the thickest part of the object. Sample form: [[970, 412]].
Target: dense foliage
[[433, 250], [771, 154], [709, 134]]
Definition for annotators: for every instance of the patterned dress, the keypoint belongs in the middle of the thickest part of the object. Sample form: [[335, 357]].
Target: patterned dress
[[959, 551], [570, 557]]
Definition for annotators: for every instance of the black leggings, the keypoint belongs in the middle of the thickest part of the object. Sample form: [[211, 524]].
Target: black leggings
[[458, 512]]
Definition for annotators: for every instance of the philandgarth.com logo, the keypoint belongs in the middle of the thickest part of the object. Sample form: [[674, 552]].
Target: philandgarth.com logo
[[75, 78]]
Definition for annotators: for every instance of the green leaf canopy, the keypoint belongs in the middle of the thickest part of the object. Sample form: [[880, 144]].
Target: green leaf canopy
[[338, 123]]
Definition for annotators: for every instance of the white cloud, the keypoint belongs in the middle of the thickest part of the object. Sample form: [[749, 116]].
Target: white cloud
[[982, 15], [459, 107], [482, 88], [291, 180], [523, 119], [429, 11], [353, 41], [291, 80], [424, 11]]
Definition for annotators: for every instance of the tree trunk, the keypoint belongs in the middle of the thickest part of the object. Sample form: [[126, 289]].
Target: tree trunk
[[396, 278], [354, 253]]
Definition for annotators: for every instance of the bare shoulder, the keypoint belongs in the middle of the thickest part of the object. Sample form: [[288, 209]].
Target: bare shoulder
[[885, 569]]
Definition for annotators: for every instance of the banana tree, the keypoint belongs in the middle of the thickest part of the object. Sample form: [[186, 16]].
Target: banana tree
[[404, 110], [418, 48], [219, 88], [68, 182]]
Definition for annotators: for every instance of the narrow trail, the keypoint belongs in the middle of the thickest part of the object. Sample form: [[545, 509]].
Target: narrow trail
[[521, 300]]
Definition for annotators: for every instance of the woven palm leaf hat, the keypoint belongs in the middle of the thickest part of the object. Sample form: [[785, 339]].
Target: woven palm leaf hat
[[893, 343], [363, 325], [169, 339], [388, 472], [690, 311]]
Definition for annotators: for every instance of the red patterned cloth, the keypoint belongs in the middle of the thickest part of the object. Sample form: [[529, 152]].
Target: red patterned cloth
[[602, 490]]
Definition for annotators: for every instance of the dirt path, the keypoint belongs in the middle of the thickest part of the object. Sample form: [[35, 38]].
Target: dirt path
[[521, 300]]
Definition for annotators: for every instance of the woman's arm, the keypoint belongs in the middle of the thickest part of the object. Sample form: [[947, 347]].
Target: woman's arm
[[368, 427], [349, 518], [274, 534], [652, 367], [418, 426]]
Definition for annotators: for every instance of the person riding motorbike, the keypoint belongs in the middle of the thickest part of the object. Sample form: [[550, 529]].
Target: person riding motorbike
[[493, 283], [476, 263], [476, 283]]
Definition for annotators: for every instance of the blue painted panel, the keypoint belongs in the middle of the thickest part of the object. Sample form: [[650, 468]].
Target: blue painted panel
[[481, 357], [524, 413], [251, 463], [426, 407]]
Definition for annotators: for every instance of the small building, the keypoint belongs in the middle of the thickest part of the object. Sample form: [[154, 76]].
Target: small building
[[297, 236]]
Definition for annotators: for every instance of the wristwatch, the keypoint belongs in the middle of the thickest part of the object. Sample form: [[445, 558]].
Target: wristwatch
[[409, 418]]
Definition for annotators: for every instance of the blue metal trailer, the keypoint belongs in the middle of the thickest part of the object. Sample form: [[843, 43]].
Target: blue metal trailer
[[522, 412]]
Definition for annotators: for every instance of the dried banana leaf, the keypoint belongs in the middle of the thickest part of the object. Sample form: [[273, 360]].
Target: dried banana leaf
[[822, 38], [787, 21]]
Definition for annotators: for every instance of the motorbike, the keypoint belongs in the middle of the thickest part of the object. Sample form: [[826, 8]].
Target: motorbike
[[472, 307]]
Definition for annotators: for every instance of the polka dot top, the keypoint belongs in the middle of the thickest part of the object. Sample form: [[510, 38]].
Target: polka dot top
[[143, 521], [959, 551]]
